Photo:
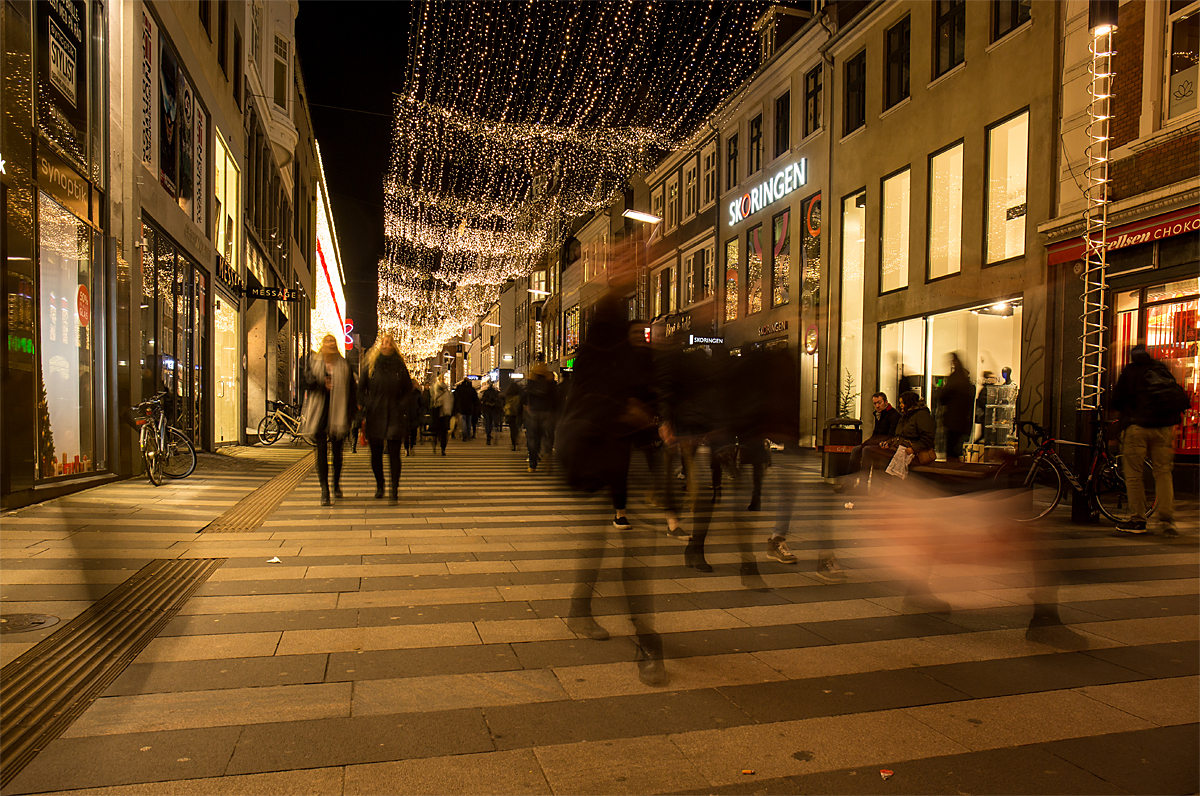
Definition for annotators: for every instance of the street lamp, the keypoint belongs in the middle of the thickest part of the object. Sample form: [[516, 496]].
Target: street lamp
[[638, 215]]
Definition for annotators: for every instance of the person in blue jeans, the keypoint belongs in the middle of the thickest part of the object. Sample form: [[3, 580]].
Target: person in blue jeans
[[539, 399]]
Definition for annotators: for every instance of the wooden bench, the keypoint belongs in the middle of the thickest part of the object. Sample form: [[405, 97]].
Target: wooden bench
[[958, 477]]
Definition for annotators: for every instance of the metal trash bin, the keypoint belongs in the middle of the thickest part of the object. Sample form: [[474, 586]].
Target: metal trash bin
[[839, 438]]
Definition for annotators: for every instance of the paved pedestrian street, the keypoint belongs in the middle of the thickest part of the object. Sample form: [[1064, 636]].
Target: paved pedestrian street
[[422, 648]]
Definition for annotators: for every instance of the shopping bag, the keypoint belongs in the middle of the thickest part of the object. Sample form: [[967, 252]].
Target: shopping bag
[[898, 466]]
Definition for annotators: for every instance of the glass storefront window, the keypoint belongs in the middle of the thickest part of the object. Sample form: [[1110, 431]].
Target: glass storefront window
[[754, 270], [732, 274], [945, 212], [902, 358], [226, 209], [854, 251], [894, 262], [227, 387], [1008, 161], [781, 260], [1183, 55], [66, 407]]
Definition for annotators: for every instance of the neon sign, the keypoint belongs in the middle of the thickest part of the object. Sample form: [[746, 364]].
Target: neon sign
[[791, 177], [348, 330]]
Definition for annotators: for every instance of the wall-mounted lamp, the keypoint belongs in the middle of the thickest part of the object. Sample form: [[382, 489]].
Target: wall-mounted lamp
[[638, 215], [1102, 16]]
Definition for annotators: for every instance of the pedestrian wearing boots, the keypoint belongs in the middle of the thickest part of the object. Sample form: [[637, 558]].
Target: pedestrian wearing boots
[[329, 407], [441, 409], [385, 390], [492, 404]]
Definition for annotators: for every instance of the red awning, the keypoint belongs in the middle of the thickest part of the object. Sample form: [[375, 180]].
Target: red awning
[[1177, 222]]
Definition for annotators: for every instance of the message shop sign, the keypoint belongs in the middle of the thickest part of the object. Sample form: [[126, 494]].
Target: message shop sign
[[273, 294], [788, 179]]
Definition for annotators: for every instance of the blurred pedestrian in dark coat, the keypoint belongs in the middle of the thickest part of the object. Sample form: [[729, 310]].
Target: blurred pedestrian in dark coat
[[384, 393]]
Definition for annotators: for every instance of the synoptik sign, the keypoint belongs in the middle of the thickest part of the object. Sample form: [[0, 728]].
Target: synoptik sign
[[788, 179]]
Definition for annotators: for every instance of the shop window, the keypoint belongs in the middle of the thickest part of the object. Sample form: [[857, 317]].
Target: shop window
[[754, 270], [226, 199], [691, 189], [810, 286], [756, 145], [732, 274], [227, 370], [856, 93], [812, 100], [1183, 55], [949, 36], [1008, 161], [66, 408], [893, 262], [897, 38], [783, 123], [709, 158], [854, 255], [781, 259], [731, 161], [1008, 15], [945, 212], [902, 358]]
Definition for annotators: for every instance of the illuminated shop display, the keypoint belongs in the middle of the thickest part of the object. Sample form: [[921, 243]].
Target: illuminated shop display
[[329, 297]]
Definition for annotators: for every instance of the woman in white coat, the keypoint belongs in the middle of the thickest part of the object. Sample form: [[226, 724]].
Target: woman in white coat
[[329, 407]]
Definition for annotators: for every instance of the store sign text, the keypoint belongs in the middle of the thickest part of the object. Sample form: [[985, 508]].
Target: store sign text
[[273, 294], [64, 184], [793, 176], [772, 328]]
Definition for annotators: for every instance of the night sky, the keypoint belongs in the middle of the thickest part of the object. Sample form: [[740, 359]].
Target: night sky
[[354, 55]]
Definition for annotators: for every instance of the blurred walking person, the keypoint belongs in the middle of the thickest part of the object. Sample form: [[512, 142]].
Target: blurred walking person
[[413, 412], [466, 407], [384, 393], [491, 403], [441, 409], [329, 407], [1151, 404], [538, 404], [608, 404], [958, 415], [512, 411]]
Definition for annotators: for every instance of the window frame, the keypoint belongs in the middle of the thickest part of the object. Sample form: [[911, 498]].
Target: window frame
[[814, 87], [708, 175], [731, 162], [735, 244], [987, 185], [789, 211], [1016, 19], [1170, 20], [955, 17], [657, 208], [856, 88], [672, 206], [897, 59], [754, 161], [883, 229], [223, 36], [691, 188], [763, 275], [783, 123], [285, 61], [961, 142]]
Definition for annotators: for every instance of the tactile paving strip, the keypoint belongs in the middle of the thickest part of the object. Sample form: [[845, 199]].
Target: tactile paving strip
[[44, 690], [250, 512]]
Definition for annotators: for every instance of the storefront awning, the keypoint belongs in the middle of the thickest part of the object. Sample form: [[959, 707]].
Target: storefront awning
[[1177, 222]]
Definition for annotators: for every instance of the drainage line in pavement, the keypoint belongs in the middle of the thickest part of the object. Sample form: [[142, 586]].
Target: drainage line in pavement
[[44, 690], [250, 512]]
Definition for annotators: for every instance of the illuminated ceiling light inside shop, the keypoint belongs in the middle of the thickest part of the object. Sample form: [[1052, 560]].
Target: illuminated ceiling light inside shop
[[1000, 307], [638, 215]]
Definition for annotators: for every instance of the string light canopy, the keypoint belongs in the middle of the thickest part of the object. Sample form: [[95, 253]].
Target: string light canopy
[[520, 117]]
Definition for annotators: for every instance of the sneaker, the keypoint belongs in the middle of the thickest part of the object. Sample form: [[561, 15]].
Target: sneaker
[[777, 549], [1132, 526], [622, 523], [1169, 531], [829, 571], [679, 533]]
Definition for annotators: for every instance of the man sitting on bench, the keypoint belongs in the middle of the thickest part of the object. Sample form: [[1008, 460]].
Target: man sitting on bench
[[886, 418]]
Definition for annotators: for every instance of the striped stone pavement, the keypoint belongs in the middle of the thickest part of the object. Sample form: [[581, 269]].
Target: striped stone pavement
[[422, 648]]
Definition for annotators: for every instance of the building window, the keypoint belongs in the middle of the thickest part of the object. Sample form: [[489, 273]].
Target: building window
[[854, 256], [672, 203], [945, 212], [893, 263], [754, 271], [205, 9], [666, 291], [709, 158], [656, 210], [897, 62], [1008, 15], [856, 93], [237, 67], [1183, 35], [1008, 166], [281, 71], [689, 277], [223, 36], [812, 100], [781, 259], [783, 124], [691, 189], [731, 161], [809, 225], [756, 145], [732, 272], [226, 199], [256, 33], [706, 273], [950, 35]]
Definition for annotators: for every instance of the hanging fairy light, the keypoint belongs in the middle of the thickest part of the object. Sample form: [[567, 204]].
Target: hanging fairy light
[[520, 117]]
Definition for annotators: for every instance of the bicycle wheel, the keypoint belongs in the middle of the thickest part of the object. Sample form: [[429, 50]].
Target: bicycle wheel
[[1109, 492], [1040, 490], [179, 458], [268, 430], [152, 457]]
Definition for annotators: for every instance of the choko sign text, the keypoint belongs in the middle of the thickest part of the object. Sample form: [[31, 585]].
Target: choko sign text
[[788, 179]]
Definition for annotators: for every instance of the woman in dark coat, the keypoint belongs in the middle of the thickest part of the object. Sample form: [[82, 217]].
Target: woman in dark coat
[[957, 396], [384, 394]]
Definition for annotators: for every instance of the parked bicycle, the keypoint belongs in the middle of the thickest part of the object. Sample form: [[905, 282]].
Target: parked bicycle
[[1046, 477], [281, 419], [166, 451]]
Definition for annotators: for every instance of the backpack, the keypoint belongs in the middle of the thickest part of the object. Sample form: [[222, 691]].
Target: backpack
[[1162, 392]]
